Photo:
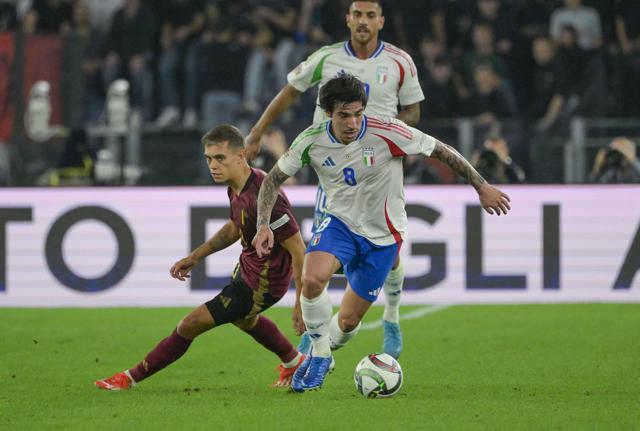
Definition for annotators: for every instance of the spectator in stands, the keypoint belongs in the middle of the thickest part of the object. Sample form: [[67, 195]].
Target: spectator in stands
[[483, 52], [281, 53], [411, 19], [616, 163], [85, 52], [495, 14], [52, 16], [547, 86], [494, 163], [181, 25], [437, 82], [584, 19], [627, 29], [490, 100], [273, 144], [586, 82], [8, 17], [129, 53], [223, 60]]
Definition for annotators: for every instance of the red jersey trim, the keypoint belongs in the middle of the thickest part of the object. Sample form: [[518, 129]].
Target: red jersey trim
[[393, 148], [401, 73], [404, 131], [396, 235]]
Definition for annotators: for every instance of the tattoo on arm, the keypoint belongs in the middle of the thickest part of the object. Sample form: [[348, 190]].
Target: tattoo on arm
[[269, 194], [452, 158]]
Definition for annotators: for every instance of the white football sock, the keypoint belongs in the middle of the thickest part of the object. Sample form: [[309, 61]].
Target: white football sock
[[133, 382], [392, 293], [316, 314], [337, 337], [292, 363]]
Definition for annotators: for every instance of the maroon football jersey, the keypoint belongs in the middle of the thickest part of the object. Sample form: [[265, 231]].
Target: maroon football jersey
[[272, 272]]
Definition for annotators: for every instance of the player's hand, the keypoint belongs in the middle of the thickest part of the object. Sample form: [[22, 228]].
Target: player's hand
[[296, 319], [252, 145], [181, 269], [492, 199], [263, 241]]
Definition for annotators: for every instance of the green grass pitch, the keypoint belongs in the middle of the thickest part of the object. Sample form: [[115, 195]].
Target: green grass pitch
[[510, 367]]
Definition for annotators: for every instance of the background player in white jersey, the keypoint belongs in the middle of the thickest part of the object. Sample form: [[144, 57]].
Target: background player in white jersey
[[391, 80], [359, 160]]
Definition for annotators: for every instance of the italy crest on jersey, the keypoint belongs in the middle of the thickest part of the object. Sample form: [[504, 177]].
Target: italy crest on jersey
[[369, 156], [381, 74]]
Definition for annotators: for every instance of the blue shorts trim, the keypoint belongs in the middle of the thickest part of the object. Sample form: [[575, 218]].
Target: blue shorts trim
[[366, 265]]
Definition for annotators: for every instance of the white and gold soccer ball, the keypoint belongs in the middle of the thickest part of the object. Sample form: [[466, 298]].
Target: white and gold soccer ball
[[378, 375]]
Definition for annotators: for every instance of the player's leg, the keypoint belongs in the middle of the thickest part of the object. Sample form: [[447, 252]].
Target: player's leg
[[266, 332], [391, 317], [345, 324], [366, 277], [319, 214], [165, 352], [319, 266]]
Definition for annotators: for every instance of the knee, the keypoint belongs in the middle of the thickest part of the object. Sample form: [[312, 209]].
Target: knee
[[190, 326], [246, 324], [348, 323], [312, 285]]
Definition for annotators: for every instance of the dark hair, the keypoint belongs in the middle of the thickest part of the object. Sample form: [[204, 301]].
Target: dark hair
[[343, 89], [378, 2], [225, 133]]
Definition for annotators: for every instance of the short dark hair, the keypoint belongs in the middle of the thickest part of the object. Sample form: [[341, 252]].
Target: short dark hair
[[378, 2], [343, 89], [224, 133]]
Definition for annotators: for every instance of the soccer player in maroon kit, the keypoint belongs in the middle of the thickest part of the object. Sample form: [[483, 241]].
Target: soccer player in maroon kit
[[257, 282]]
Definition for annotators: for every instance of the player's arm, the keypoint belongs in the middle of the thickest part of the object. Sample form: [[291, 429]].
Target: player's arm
[[263, 241], [410, 114], [295, 246], [283, 100], [491, 198], [227, 235]]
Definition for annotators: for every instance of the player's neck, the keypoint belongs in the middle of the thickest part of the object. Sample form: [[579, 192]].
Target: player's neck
[[364, 51], [238, 182]]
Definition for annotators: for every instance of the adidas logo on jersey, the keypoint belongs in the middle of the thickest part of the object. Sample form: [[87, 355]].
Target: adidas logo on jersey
[[328, 162]]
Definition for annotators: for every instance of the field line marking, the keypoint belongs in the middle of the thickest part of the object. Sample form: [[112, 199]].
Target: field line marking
[[415, 314]]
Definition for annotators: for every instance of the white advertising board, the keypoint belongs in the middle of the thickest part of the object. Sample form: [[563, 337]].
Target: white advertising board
[[95, 247]]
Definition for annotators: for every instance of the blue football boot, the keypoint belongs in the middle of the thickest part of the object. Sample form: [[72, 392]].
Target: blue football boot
[[296, 381], [318, 369], [392, 339]]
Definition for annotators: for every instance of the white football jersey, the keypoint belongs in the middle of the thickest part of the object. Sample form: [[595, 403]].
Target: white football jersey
[[389, 76], [363, 180]]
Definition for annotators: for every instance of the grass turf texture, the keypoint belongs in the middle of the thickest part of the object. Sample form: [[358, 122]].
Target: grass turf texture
[[467, 367]]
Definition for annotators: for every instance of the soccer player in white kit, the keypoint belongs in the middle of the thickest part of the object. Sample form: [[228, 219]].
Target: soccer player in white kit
[[358, 159], [391, 80]]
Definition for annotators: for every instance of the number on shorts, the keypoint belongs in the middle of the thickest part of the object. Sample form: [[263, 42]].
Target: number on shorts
[[350, 176], [324, 224]]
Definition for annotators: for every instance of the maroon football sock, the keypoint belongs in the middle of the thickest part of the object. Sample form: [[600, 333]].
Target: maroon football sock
[[267, 333], [166, 352]]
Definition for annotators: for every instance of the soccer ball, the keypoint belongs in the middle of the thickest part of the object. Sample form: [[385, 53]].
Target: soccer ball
[[378, 375]]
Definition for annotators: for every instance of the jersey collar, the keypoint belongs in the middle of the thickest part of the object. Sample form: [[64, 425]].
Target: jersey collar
[[363, 129], [351, 52]]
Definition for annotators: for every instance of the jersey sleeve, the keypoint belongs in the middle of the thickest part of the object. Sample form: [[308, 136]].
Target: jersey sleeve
[[404, 140], [410, 91], [309, 72], [283, 223], [296, 156]]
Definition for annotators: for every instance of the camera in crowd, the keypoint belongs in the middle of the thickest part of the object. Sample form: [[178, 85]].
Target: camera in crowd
[[613, 159]]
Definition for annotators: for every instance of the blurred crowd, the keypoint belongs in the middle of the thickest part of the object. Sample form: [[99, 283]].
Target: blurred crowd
[[197, 63]]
